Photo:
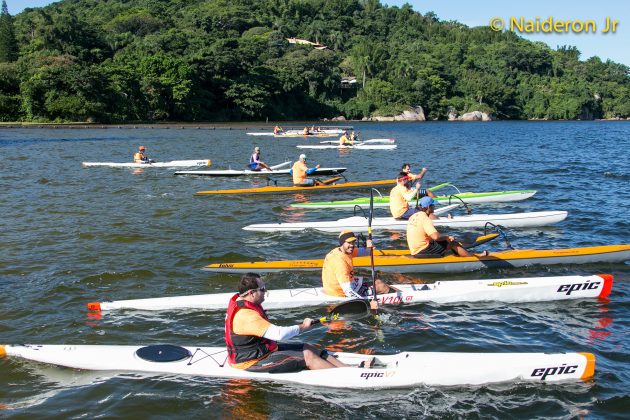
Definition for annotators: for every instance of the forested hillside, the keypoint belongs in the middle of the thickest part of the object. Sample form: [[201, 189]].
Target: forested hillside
[[187, 60]]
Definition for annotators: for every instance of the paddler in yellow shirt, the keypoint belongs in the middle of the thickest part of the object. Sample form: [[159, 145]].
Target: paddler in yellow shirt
[[345, 140], [255, 344], [338, 271], [402, 194], [423, 238], [300, 172]]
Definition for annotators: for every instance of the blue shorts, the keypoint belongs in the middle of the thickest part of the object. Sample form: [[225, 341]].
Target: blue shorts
[[254, 167]]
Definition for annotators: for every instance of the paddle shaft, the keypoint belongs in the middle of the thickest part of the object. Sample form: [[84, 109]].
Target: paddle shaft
[[370, 239]]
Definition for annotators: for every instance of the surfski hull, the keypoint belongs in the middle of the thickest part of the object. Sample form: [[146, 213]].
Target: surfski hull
[[402, 370]]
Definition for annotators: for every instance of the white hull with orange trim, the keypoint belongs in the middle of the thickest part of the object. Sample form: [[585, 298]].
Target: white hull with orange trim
[[402, 370], [511, 290]]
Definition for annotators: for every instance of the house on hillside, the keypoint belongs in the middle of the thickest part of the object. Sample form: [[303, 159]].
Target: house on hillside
[[305, 42], [348, 82]]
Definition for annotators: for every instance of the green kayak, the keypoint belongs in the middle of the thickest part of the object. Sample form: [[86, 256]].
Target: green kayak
[[467, 197]]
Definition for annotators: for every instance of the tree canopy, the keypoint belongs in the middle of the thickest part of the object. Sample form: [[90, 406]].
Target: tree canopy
[[193, 60]]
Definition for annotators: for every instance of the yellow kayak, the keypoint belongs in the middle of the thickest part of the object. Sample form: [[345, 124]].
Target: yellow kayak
[[400, 261], [270, 189]]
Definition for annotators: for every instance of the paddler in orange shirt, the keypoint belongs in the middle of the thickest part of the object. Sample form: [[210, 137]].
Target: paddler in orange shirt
[[300, 172], [338, 271], [255, 344], [423, 238], [139, 156], [402, 194], [406, 168]]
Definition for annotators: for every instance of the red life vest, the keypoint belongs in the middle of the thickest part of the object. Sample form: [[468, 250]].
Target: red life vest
[[243, 348]]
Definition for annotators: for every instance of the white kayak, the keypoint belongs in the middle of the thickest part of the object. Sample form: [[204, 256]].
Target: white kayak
[[360, 223], [406, 369], [171, 164], [262, 172], [359, 146], [299, 132], [371, 141], [511, 290]]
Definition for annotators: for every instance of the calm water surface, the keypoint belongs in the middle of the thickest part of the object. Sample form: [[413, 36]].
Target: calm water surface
[[70, 235]]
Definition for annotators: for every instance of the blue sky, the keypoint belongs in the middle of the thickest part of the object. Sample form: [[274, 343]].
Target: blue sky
[[478, 13]]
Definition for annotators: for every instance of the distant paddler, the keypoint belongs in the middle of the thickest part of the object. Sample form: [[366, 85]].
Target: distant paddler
[[403, 193], [300, 172], [306, 131], [255, 164], [345, 139], [424, 240], [140, 157], [277, 130], [338, 271]]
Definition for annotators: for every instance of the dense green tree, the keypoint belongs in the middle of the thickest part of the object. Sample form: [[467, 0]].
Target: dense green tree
[[8, 43], [130, 60]]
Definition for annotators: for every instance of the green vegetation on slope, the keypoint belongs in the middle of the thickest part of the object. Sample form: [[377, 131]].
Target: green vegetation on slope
[[186, 60]]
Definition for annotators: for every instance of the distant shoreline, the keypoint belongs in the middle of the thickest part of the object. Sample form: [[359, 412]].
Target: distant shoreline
[[239, 125]]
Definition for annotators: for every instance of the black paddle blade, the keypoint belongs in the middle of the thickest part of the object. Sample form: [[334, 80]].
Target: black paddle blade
[[471, 241], [352, 309]]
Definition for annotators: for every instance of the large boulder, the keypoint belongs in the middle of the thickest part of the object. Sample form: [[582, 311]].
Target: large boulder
[[339, 118], [471, 116]]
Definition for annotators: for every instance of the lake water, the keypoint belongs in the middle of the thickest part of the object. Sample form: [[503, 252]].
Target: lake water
[[70, 235]]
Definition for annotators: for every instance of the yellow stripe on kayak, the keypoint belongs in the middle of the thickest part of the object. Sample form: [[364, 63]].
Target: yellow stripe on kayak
[[289, 189], [3, 352], [401, 257], [589, 370]]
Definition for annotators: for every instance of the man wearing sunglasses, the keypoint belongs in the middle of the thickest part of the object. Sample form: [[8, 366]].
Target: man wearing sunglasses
[[255, 344]]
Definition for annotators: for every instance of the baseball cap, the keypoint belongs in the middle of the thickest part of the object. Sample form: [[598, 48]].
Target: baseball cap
[[302, 156], [256, 149], [346, 236], [426, 202], [141, 148]]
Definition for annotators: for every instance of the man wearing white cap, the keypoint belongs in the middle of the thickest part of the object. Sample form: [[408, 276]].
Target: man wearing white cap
[[424, 240], [300, 171], [255, 163]]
